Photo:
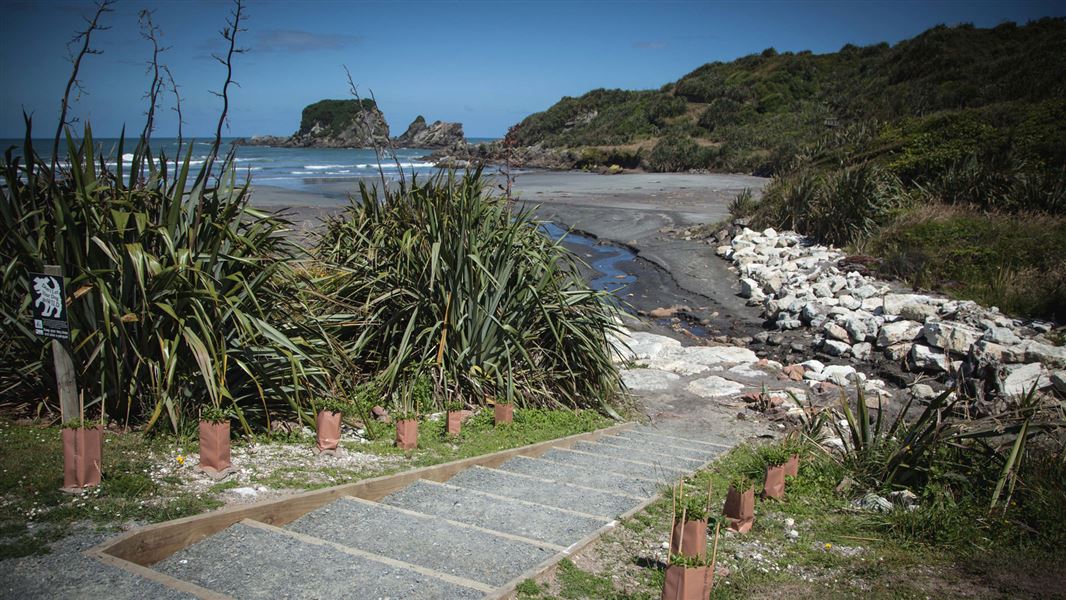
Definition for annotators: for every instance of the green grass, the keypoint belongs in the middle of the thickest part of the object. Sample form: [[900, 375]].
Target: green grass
[[1016, 262], [34, 511], [952, 550], [479, 436]]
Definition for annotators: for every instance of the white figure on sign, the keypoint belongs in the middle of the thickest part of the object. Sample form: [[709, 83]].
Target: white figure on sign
[[47, 290]]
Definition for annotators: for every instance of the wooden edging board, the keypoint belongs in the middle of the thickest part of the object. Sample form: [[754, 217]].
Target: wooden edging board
[[138, 549], [507, 591]]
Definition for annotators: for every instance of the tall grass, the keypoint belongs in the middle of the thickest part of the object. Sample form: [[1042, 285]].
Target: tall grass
[[840, 207], [181, 294], [443, 277]]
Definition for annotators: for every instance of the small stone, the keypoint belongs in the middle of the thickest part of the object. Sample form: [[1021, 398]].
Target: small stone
[[836, 348], [1058, 381], [928, 359], [793, 372], [839, 374], [862, 351], [836, 332], [923, 391], [813, 365]]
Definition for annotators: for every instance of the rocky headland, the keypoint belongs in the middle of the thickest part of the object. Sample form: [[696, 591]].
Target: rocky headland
[[438, 134], [360, 124]]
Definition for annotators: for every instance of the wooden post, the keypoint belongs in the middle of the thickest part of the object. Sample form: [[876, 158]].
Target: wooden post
[[64, 366]]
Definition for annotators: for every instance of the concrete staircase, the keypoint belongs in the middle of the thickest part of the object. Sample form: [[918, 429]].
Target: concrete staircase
[[473, 536]]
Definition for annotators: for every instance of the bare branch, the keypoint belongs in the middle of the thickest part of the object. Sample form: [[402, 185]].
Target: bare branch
[[151, 32], [229, 34], [177, 105], [379, 149], [102, 7]]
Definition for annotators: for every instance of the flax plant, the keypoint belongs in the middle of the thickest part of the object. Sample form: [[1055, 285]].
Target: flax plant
[[443, 275], [179, 292]]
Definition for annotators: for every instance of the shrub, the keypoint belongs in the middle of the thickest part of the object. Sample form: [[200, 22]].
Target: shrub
[[180, 296], [678, 153], [445, 277]]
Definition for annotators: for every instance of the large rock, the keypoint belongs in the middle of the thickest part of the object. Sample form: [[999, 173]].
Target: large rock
[[1052, 356], [897, 332], [893, 303], [952, 337], [928, 359], [335, 124], [1058, 380], [715, 355], [648, 380], [1017, 380], [644, 346], [714, 387], [438, 134], [1002, 335]]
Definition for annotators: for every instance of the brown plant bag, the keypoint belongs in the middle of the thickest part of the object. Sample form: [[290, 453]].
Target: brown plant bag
[[328, 426], [455, 422], [407, 434], [740, 509], [690, 542], [792, 467], [688, 583], [775, 483], [81, 457], [214, 447], [504, 413]]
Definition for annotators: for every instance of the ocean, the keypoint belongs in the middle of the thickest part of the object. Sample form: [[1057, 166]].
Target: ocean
[[303, 169]]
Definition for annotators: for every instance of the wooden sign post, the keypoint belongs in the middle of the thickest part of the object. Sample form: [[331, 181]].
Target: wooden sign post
[[50, 321]]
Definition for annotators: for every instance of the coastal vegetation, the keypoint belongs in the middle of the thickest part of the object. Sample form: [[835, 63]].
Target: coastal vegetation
[[449, 279], [334, 115], [843, 530], [184, 298], [924, 153]]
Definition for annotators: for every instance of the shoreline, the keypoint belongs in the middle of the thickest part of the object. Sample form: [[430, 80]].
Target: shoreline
[[633, 211]]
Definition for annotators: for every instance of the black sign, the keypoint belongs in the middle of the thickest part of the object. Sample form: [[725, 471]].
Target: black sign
[[49, 307]]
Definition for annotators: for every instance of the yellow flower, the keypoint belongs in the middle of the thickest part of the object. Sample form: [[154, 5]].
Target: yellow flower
[[181, 460], [829, 546]]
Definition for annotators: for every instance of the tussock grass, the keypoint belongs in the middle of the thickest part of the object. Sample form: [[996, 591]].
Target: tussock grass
[[1014, 261]]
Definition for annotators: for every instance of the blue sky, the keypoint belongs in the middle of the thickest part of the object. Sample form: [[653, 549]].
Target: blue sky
[[486, 64]]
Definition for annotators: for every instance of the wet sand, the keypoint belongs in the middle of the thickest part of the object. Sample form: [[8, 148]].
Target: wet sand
[[632, 210]]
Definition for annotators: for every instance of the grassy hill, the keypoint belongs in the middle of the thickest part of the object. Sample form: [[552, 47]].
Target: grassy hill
[[968, 86], [942, 155]]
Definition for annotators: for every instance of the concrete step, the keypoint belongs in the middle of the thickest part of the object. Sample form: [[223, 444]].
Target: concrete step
[[675, 438], [639, 444], [602, 480], [253, 560], [543, 491], [427, 541], [651, 471], [645, 456], [498, 513]]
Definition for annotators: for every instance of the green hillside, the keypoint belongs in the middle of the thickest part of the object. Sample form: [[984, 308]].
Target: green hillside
[[943, 156], [969, 87]]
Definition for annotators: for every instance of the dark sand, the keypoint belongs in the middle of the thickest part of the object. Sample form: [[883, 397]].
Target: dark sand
[[632, 210]]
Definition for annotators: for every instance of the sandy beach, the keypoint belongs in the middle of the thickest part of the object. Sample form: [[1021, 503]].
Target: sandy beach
[[634, 211]]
